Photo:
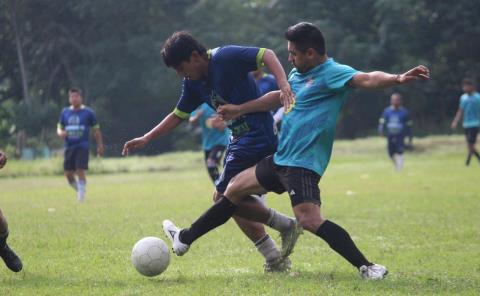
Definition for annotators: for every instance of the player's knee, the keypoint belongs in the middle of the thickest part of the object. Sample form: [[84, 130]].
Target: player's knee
[[310, 222]]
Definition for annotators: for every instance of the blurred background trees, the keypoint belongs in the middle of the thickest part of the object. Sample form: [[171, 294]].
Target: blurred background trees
[[110, 49]]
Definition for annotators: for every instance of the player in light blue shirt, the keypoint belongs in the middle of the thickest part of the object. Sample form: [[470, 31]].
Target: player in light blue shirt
[[470, 110], [321, 86], [215, 137]]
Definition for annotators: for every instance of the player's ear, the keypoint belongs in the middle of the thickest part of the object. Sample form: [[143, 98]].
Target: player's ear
[[310, 52]]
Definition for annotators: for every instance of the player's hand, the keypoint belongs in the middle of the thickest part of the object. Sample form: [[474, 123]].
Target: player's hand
[[453, 125], [217, 123], [418, 73], [100, 150], [134, 144], [3, 159], [229, 112], [63, 134], [287, 98]]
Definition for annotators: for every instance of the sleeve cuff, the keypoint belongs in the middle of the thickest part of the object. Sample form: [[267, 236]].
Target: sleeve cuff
[[260, 54], [181, 114]]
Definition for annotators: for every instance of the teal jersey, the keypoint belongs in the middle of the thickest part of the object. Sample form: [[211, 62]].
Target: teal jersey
[[211, 137], [470, 104], [308, 130]]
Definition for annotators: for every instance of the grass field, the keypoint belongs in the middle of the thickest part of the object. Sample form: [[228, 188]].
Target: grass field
[[422, 223]]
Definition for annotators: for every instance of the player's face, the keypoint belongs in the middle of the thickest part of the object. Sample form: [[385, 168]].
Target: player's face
[[468, 88], [191, 69], [396, 101], [299, 59], [75, 99]]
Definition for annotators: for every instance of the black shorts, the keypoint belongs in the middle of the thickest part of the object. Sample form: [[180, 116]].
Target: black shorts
[[76, 159], [395, 144], [471, 134], [301, 184], [215, 153]]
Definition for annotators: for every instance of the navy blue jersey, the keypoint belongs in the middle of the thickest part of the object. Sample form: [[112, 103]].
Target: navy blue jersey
[[229, 82], [395, 121], [267, 83], [77, 124]]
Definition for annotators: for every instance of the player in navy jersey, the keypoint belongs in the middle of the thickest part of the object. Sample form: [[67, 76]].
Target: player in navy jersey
[[214, 137], [12, 261], [321, 86], [74, 127], [217, 77], [395, 124]]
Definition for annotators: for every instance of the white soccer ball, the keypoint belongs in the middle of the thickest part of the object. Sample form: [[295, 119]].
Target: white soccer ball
[[150, 256]]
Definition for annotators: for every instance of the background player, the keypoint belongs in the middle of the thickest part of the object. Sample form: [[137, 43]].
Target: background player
[[267, 83], [215, 137], [74, 127], [395, 124], [470, 110], [11, 259], [321, 86], [216, 77]]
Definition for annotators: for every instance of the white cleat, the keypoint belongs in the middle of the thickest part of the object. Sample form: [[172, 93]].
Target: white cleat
[[373, 272], [173, 233], [80, 196]]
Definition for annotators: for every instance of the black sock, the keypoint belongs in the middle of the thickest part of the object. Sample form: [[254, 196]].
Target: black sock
[[213, 172], [218, 214], [468, 158], [339, 240], [3, 240], [476, 154]]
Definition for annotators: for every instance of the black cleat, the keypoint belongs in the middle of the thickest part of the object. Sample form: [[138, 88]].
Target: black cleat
[[11, 259]]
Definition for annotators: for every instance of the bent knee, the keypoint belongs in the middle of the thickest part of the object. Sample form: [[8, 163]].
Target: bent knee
[[310, 223]]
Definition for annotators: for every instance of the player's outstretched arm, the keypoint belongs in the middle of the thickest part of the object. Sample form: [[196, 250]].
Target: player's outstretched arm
[[168, 123], [457, 118], [267, 102], [378, 79], [99, 139], [271, 61]]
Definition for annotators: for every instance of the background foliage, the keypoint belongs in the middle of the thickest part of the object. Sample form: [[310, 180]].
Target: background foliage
[[110, 49]]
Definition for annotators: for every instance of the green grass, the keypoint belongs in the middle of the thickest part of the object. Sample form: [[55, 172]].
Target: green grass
[[422, 223]]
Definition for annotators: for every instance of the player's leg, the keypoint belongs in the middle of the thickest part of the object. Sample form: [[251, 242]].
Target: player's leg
[[399, 149], [391, 148], [69, 167], [81, 165], [470, 146], [473, 141], [11, 259], [213, 160], [302, 187]]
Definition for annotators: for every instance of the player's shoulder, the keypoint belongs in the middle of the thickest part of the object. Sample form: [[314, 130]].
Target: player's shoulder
[[333, 66]]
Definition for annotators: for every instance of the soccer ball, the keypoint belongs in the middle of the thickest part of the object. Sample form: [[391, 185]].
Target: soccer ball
[[150, 256]]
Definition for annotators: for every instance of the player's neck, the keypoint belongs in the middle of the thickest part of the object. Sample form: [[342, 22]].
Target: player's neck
[[318, 61], [76, 107]]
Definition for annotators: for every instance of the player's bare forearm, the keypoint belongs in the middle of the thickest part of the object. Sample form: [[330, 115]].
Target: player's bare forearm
[[99, 139], [271, 61], [267, 102], [457, 118], [379, 79], [61, 133], [170, 122]]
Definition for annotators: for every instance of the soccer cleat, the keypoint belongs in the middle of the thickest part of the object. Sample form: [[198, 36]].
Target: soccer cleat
[[11, 259], [279, 264], [289, 238], [173, 233], [373, 272]]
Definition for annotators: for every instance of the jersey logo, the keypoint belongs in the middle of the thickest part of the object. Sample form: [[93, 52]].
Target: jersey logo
[[292, 192], [309, 82]]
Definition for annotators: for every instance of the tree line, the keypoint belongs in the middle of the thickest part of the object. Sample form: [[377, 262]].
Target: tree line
[[110, 49]]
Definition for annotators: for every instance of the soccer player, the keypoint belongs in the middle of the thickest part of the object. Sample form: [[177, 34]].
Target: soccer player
[[216, 77], [395, 124], [321, 86], [470, 110], [74, 127], [214, 137], [11, 259]]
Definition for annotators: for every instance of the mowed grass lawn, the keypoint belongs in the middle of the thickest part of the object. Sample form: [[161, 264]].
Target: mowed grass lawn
[[422, 223]]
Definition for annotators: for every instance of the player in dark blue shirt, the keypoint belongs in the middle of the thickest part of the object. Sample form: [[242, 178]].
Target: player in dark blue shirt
[[11, 259], [74, 127], [216, 77], [267, 83], [395, 124]]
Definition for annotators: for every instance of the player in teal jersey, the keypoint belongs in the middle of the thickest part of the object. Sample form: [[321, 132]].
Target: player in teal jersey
[[11, 259], [214, 137], [321, 86], [470, 110]]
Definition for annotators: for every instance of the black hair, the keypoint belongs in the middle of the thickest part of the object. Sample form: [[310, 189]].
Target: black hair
[[468, 81], [75, 90], [179, 47], [306, 35]]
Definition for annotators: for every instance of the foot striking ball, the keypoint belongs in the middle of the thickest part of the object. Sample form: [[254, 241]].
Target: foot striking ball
[[150, 256]]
